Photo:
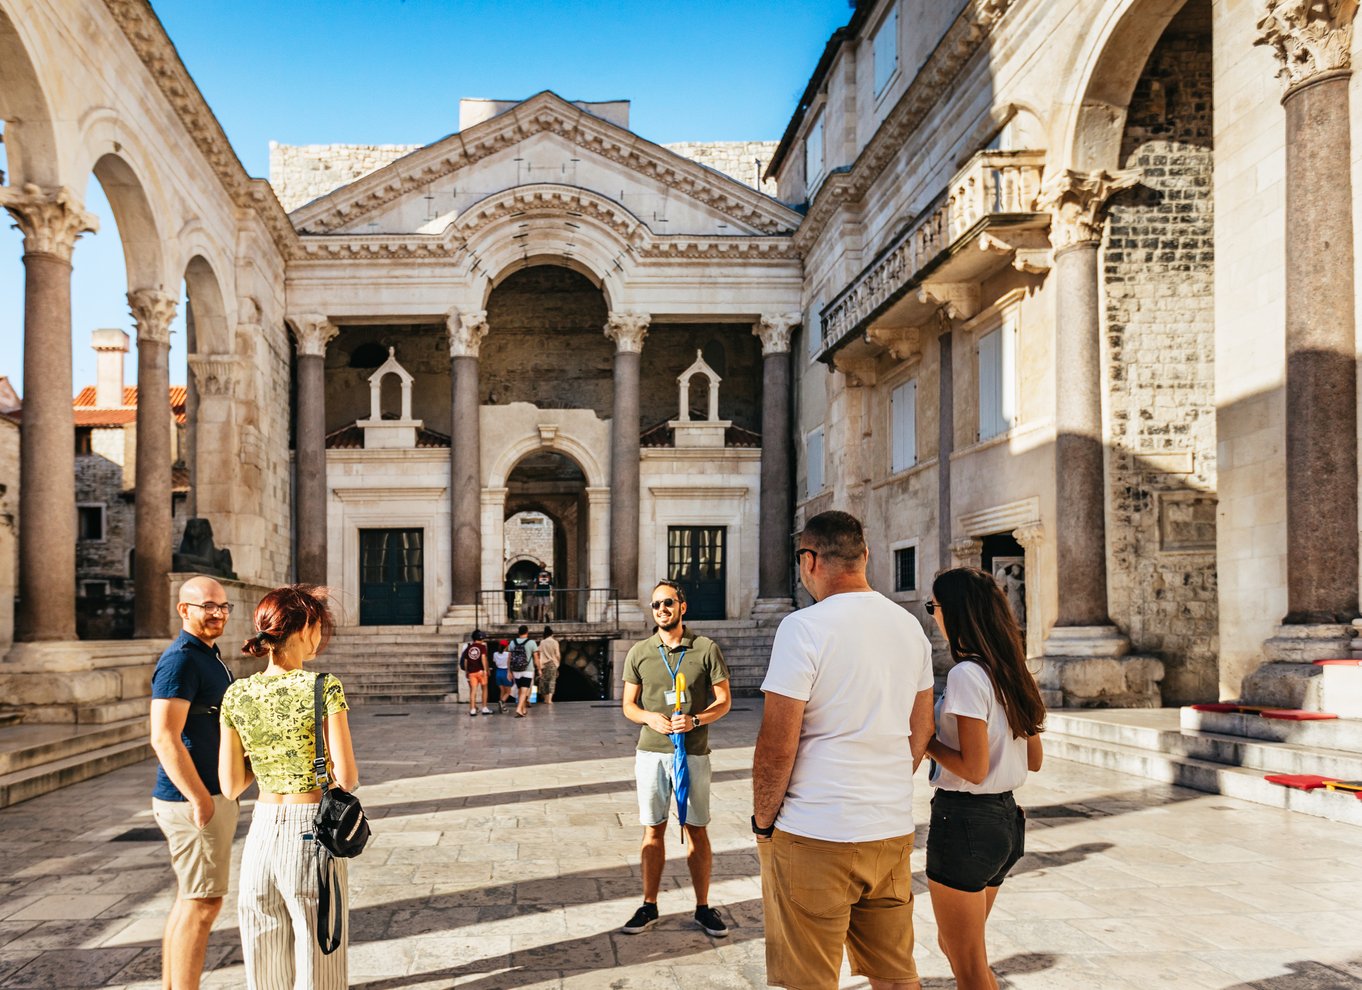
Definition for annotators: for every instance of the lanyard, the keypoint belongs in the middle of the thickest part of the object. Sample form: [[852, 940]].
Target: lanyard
[[662, 652]]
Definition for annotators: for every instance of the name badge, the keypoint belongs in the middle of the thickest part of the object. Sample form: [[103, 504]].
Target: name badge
[[670, 696]]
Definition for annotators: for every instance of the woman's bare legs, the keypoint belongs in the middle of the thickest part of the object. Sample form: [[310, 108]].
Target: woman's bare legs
[[960, 918]]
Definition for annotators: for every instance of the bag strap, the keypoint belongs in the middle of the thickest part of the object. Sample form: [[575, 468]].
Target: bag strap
[[319, 719], [328, 896]]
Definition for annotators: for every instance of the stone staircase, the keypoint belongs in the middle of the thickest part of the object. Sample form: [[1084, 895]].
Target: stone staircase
[[1220, 753], [746, 645], [393, 664], [37, 758]]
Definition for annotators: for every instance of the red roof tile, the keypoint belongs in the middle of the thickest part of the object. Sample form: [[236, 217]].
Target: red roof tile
[[88, 414]]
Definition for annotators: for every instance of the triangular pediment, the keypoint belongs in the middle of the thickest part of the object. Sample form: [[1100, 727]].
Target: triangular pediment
[[545, 141]]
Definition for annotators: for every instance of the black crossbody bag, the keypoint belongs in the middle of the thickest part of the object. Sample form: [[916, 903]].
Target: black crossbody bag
[[340, 829]]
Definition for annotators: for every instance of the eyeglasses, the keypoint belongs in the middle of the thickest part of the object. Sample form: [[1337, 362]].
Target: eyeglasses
[[212, 608], [931, 607], [663, 603], [802, 550]]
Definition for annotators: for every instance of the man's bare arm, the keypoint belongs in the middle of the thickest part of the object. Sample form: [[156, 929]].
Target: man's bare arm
[[641, 716], [168, 716], [774, 757], [923, 725]]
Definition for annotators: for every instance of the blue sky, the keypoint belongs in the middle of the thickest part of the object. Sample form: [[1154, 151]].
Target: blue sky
[[393, 71]]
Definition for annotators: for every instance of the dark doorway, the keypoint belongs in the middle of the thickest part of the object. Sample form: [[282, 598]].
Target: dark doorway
[[552, 485], [391, 577], [584, 674], [1005, 559], [697, 562]]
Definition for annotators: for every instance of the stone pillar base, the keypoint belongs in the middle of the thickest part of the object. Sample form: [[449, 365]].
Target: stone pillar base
[[460, 618], [79, 682], [1289, 678], [1086, 641], [632, 617], [1101, 682], [1307, 643], [769, 611]]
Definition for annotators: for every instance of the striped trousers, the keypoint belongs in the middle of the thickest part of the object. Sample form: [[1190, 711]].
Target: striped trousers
[[277, 904]]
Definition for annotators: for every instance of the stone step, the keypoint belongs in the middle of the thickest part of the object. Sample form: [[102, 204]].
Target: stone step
[[9, 718], [46, 777], [402, 699], [114, 711], [1343, 734], [1245, 783], [25, 746], [1266, 757]]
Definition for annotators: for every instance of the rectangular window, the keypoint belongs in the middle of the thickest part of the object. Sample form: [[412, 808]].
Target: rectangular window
[[94, 589], [997, 381], [90, 522], [905, 569], [813, 157], [813, 455], [85, 440], [813, 327], [885, 50], [903, 426]]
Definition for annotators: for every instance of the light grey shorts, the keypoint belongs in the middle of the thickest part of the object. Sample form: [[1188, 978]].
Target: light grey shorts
[[653, 772]]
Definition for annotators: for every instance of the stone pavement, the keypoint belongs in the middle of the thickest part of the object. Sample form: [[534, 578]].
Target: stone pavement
[[505, 856]]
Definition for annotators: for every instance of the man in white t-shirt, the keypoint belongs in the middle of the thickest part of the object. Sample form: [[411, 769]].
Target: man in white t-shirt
[[848, 716]]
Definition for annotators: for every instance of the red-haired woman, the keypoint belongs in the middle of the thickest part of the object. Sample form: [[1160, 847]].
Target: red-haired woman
[[988, 725], [268, 727]]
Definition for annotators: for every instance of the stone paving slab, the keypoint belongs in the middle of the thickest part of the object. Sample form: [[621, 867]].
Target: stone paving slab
[[505, 855]]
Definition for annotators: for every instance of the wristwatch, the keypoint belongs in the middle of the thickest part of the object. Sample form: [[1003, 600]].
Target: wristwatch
[[764, 833]]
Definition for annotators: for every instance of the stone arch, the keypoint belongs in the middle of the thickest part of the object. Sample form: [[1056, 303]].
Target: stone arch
[[136, 221], [1091, 119], [492, 281], [32, 152], [210, 332], [597, 474]]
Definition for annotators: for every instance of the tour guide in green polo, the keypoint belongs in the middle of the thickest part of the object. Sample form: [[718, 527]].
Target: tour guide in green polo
[[650, 700]]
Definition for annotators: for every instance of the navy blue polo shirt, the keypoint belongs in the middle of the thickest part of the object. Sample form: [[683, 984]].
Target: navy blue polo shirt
[[192, 671]]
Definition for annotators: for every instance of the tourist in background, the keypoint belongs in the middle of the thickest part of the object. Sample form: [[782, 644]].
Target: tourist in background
[[550, 656], [523, 660], [269, 735], [988, 725], [198, 820], [501, 661], [474, 662]]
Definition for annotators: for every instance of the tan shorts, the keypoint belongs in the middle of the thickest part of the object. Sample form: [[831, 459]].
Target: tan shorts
[[201, 858], [821, 896]]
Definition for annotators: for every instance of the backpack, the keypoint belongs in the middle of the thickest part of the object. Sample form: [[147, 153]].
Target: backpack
[[472, 661], [520, 660]]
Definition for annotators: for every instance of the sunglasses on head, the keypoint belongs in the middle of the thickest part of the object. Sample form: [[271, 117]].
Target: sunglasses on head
[[663, 603]]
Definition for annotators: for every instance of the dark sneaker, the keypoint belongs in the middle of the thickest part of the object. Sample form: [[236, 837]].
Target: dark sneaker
[[644, 918], [708, 919]]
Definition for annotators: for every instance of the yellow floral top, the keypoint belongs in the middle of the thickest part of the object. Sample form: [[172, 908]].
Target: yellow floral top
[[274, 717]]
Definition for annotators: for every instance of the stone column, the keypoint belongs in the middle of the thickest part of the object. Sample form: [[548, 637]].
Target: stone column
[[945, 446], [218, 477], [774, 595], [312, 333], [1313, 43], [466, 331], [1076, 201], [51, 220], [627, 330], [152, 311]]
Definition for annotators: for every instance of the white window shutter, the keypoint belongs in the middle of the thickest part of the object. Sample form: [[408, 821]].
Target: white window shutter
[[990, 385]]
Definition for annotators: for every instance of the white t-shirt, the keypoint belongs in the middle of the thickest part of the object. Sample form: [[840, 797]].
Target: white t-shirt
[[502, 659], [859, 661], [969, 692]]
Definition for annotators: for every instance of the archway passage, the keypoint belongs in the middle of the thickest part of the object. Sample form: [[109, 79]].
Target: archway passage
[[553, 486]]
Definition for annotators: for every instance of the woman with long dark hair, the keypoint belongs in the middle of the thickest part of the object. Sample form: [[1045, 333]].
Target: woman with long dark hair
[[988, 725], [268, 734]]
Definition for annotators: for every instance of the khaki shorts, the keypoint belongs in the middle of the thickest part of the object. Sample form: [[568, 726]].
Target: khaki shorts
[[821, 896], [200, 857]]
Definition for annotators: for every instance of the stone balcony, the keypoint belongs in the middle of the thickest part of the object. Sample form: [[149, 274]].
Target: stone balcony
[[984, 220]]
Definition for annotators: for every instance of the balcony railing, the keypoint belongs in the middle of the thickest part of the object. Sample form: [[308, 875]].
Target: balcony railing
[[993, 187], [512, 606]]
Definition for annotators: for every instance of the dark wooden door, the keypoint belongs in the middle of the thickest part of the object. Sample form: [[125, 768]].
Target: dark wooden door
[[697, 560], [391, 577]]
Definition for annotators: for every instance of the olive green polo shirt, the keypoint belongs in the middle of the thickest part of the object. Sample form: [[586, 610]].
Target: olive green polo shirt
[[703, 664]]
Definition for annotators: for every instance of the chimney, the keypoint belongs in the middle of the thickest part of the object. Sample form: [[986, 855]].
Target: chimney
[[110, 345]]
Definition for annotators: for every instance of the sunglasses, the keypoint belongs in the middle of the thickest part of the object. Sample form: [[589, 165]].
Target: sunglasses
[[931, 607], [663, 603], [805, 550]]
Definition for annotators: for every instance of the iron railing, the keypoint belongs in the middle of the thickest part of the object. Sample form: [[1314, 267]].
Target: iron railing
[[511, 606]]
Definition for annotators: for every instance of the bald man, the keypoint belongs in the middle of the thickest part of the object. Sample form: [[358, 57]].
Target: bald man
[[198, 822]]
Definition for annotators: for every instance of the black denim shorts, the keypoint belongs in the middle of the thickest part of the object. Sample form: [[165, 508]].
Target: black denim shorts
[[975, 839]]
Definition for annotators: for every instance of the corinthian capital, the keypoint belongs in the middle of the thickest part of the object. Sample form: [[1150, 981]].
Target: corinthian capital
[[775, 331], [215, 374], [152, 310], [1309, 37], [466, 331], [49, 219], [1077, 201], [627, 330], [312, 332]]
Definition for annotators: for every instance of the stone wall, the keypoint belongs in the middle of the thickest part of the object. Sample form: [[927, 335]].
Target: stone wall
[[530, 534], [1160, 364], [301, 173]]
